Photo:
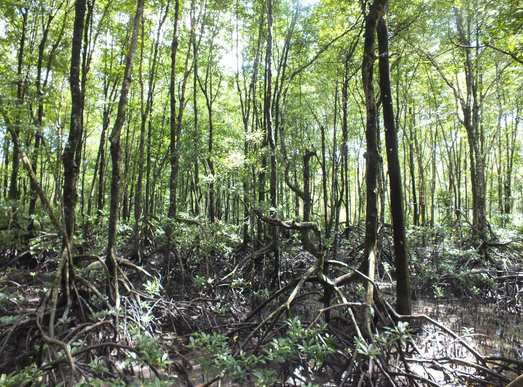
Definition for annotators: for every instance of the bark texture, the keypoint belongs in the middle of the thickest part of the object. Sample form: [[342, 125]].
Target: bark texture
[[72, 153]]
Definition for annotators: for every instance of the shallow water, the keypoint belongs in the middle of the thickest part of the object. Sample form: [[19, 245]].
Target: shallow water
[[491, 333]]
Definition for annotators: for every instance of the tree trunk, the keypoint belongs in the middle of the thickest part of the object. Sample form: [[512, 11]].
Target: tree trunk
[[146, 109], [324, 179], [371, 155], [412, 168], [248, 101], [403, 303], [269, 129], [6, 169], [116, 148], [511, 148], [207, 89], [14, 189], [175, 131], [41, 85], [471, 106], [345, 137], [73, 148], [138, 194]]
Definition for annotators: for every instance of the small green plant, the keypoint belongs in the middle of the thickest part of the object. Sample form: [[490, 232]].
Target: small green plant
[[487, 281], [263, 293], [279, 350], [27, 375], [391, 338], [264, 378], [153, 287], [121, 383], [438, 291], [240, 283], [366, 349], [203, 282], [98, 366], [215, 344], [149, 351], [306, 346], [309, 346], [400, 333], [475, 290]]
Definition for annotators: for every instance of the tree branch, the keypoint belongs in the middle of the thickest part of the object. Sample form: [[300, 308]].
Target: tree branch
[[289, 225]]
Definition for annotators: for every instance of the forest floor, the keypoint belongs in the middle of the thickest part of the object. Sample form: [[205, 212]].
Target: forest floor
[[209, 321]]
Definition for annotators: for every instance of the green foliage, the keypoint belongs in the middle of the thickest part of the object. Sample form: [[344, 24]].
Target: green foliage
[[312, 343], [439, 291], [24, 377], [366, 349], [239, 287], [96, 382], [384, 343], [149, 351], [10, 320], [263, 293], [13, 224], [398, 334], [153, 288], [203, 282], [98, 366], [264, 377], [306, 346]]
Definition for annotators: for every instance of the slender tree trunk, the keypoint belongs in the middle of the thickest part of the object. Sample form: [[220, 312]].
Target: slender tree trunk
[[138, 194], [335, 195], [510, 139], [116, 148], [345, 138], [73, 146], [175, 131], [248, 104], [110, 93], [471, 106], [146, 109], [6, 169], [371, 155], [412, 169], [433, 178], [422, 203], [269, 129], [41, 84], [14, 189], [324, 184], [196, 143], [403, 303], [101, 153], [207, 89]]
